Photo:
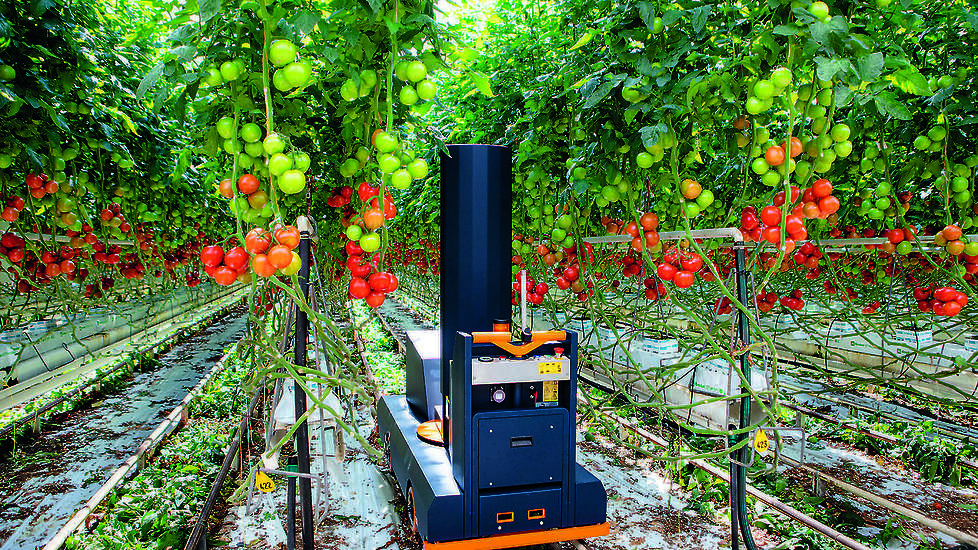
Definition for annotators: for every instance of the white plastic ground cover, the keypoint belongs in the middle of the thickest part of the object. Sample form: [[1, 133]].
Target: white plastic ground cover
[[47, 344], [94, 443]]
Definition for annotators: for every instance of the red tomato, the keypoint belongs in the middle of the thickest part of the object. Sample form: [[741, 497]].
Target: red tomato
[[829, 205], [211, 256], [649, 221], [375, 299], [280, 256], [772, 234], [288, 236], [237, 258], [226, 188], [571, 273], [684, 279], [261, 265], [379, 282], [796, 147], [771, 215], [358, 288], [562, 283], [692, 263], [666, 272], [257, 241], [822, 188], [225, 275], [247, 184], [774, 155]]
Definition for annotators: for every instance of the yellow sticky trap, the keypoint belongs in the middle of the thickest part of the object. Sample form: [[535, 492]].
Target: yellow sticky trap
[[761, 443], [549, 367], [549, 390], [263, 482]]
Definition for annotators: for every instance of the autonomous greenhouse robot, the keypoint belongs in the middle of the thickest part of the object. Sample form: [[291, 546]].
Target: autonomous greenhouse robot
[[483, 443]]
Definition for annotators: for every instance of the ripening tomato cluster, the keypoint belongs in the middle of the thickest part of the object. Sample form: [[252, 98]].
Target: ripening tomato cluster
[[341, 196], [765, 301], [533, 290], [11, 212], [679, 267], [847, 296], [112, 217], [722, 306], [645, 230], [944, 301], [654, 289], [40, 185], [809, 256], [794, 301], [872, 307], [364, 229], [370, 287]]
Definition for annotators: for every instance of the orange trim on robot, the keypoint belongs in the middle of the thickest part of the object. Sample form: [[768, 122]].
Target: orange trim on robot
[[430, 432], [522, 539], [503, 340]]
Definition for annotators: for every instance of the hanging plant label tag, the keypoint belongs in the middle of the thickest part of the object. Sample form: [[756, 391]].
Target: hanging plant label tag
[[264, 483]]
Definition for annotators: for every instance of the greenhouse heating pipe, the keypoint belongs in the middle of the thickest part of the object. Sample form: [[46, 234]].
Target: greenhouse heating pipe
[[302, 431]]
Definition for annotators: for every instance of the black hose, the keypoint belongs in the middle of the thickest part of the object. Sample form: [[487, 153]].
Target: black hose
[[290, 506], [302, 430], [738, 488]]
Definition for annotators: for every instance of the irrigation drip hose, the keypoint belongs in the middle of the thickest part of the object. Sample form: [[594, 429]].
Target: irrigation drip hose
[[198, 538]]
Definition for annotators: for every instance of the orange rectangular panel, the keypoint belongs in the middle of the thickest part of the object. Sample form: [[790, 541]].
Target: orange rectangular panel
[[522, 539]]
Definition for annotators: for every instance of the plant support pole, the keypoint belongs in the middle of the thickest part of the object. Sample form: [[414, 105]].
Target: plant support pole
[[738, 472], [302, 431]]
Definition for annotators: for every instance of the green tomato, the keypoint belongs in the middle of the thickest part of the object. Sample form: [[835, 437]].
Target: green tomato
[[250, 132], [280, 82], [764, 89], [781, 77], [7, 73], [557, 235], [644, 160], [760, 166], [291, 182], [254, 149], [298, 73], [349, 167], [418, 168], [565, 221], [754, 105], [245, 160], [5, 160], [426, 89], [401, 179], [705, 199], [281, 52], [692, 209], [416, 71], [301, 161], [388, 163], [279, 163], [273, 143], [610, 193], [408, 96], [348, 90], [368, 79], [230, 70], [937, 133], [370, 242], [225, 127], [354, 232], [921, 143], [840, 132], [294, 266], [385, 142], [400, 69], [905, 247]]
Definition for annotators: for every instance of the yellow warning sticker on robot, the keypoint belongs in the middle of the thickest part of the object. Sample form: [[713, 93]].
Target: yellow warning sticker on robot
[[549, 390], [549, 367], [761, 443], [264, 483]]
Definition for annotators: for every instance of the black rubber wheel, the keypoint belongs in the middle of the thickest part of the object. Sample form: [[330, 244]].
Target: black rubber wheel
[[387, 452], [412, 513]]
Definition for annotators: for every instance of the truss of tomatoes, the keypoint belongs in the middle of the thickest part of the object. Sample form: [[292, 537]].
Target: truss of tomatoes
[[259, 255]]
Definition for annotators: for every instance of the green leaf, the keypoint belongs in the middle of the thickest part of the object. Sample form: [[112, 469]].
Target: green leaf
[[646, 10], [910, 81], [208, 9], [786, 30], [671, 16], [481, 82], [828, 68], [887, 104], [583, 40], [305, 21], [700, 17], [651, 134], [599, 93], [150, 80], [869, 67]]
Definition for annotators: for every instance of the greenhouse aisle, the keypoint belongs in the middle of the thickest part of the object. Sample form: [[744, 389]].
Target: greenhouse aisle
[[59, 470]]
